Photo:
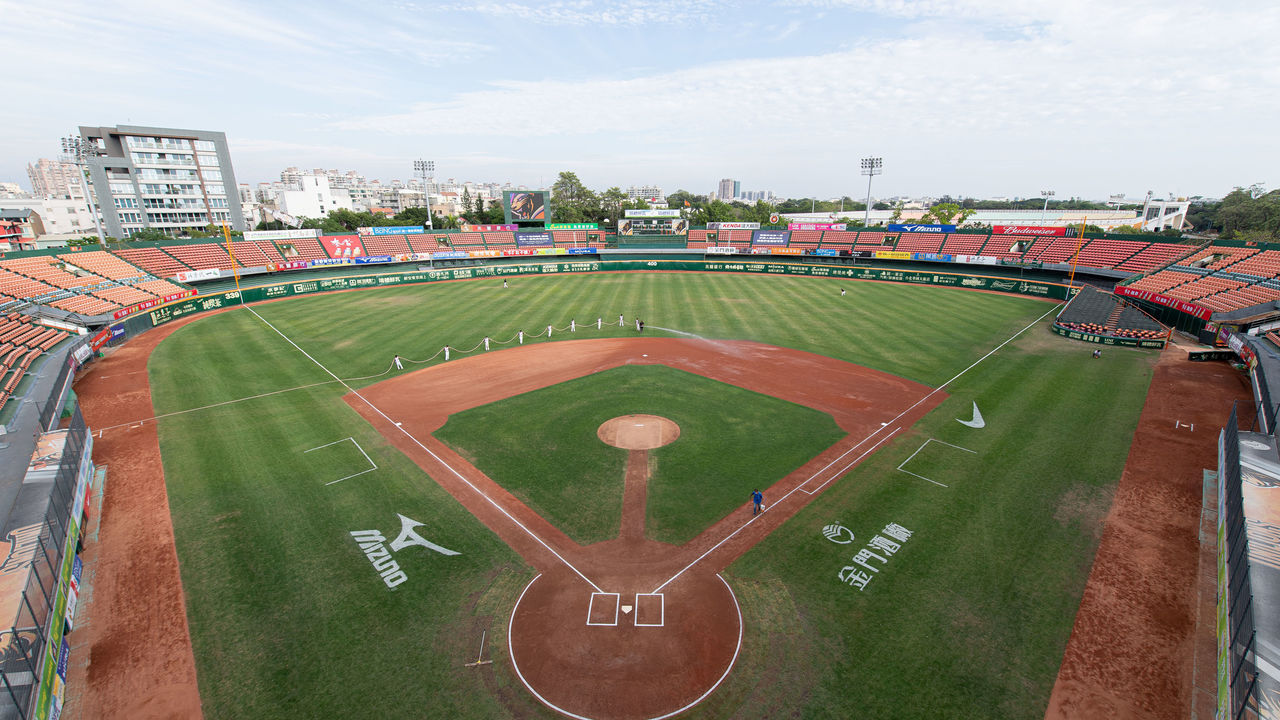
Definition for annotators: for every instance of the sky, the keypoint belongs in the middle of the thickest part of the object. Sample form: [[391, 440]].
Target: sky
[[980, 98]]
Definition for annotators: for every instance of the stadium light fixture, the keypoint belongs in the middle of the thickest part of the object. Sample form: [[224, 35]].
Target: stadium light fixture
[[77, 152], [870, 167], [425, 168], [1046, 194]]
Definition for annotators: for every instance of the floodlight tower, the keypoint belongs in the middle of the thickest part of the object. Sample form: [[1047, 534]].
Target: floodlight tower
[[871, 167], [1046, 194], [77, 152], [425, 168]]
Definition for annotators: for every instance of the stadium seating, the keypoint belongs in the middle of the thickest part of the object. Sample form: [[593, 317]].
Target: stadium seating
[[740, 239], [85, 305], [806, 239], [1013, 247], [964, 244], [249, 254], [301, 249], [1153, 256], [467, 241], [159, 288], [386, 244], [270, 250], [102, 263], [1104, 253], [202, 256], [562, 238], [698, 239], [920, 242], [1052, 250], [499, 240], [45, 269], [1216, 257], [1265, 264], [1100, 313], [875, 241], [839, 239], [123, 295], [23, 287], [423, 243], [153, 260]]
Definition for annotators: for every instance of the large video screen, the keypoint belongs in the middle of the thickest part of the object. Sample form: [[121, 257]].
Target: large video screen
[[522, 206]]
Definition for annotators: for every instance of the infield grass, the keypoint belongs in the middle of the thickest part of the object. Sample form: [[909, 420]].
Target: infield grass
[[969, 619], [542, 446]]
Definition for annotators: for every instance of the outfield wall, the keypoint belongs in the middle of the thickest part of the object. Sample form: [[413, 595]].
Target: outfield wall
[[140, 322]]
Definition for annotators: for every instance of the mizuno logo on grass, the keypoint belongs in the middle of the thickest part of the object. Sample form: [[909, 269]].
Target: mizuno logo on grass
[[374, 545]]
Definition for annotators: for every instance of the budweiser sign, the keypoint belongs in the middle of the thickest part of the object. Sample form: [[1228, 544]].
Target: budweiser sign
[[1027, 230]]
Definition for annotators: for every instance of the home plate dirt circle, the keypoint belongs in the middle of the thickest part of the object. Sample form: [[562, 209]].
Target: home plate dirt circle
[[625, 654], [638, 432]]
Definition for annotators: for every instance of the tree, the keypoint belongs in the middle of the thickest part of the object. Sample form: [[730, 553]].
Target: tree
[[947, 213], [466, 202], [149, 235], [572, 201], [412, 216], [611, 202]]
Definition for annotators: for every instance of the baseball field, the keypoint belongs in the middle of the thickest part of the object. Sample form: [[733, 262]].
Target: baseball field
[[451, 539]]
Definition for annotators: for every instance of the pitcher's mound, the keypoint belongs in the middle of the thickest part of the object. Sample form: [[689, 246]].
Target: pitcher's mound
[[638, 432]]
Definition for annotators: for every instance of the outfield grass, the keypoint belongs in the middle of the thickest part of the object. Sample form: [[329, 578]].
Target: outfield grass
[[290, 620], [542, 446]]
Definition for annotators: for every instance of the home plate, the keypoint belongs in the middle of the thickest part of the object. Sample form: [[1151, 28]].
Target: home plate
[[626, 609]]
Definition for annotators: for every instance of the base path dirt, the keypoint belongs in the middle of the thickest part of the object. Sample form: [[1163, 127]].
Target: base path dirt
[[632, 628], [1131, 649], [140, 664]]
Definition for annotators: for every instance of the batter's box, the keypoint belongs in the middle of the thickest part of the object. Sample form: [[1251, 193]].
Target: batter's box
[[603, 609], [651, 610]]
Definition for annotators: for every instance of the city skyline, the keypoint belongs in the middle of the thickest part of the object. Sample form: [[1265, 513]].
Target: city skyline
[[981, 98]]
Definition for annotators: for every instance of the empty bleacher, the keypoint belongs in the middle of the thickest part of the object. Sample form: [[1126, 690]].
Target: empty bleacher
[[875, 241], [1104, 253], [1101, 313], [467, 241], [423, 243], [301, 249], [249, 254], [85, 305], [1153, 256], [159, 288], [153, 260], [805, 239], [964, 244], [499, 240], [23, 287], [839, 239], [102, 263], [562, 238], [123, 295], [920, 242], [45, 268], [1265, 264], [698, 239], [386, 244]]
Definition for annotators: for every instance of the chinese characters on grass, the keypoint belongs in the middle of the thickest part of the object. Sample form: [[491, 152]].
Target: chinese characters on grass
[[870, 560]]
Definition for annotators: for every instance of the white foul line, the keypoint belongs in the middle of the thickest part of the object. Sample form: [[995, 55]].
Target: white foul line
[[855, 447], [372, 466], [438, 459]]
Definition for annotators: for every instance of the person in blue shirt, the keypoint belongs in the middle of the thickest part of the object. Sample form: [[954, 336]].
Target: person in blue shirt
[[757, 498]]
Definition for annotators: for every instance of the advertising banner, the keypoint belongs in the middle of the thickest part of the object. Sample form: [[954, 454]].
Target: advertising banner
[[100, 339], [449, 255], [922, 228], [1180, 305], [150, 304], [720, 250], [1028, 230], [289, 265], [653, 226], [342, 246], [776, 238], [819, 226], [396, 230], [331, 261], [733, 226], [518, 252], [487, 228], [572, 226], [650, 213], [373, 259], [280, 234], [978, 259], [931, 257], [827, 252], [786, 251], [484, 253], [194, 275], [533, 239], [892, 255], [583, 250]]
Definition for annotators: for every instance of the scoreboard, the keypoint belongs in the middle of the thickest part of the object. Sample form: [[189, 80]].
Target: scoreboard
[[653, 226]]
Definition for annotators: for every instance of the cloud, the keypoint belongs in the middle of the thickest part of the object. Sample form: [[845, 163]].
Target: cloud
[[587, 12]]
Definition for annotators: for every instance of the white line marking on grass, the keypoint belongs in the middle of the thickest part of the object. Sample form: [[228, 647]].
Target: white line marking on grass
[[917, 452], [372, 466], [678, 332], [855, 447], [214, 405], [426, 449]]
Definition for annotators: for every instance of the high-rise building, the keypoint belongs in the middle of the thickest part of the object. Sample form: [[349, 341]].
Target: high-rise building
[[162, 178], [728, 189], [648, 193], [53, 179]]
